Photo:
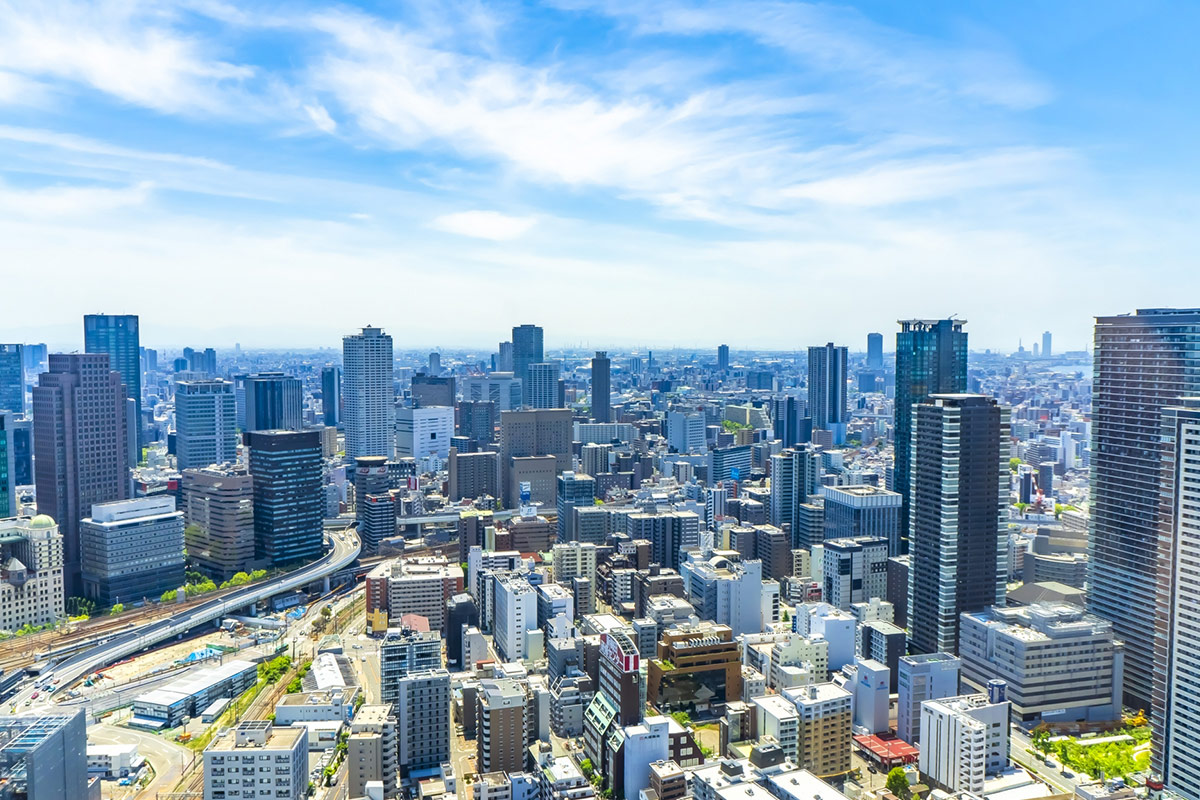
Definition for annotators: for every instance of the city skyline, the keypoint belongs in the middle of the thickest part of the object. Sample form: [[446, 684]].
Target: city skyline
[[840, 152]]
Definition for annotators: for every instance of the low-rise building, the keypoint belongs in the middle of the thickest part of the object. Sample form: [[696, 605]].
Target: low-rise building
[[964, 739], [166, 706], [132, 550], [31, 572], [257, 760]]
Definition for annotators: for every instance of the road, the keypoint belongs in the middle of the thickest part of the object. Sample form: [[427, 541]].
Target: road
[[168, 758], [1020, 751], [345, 548]]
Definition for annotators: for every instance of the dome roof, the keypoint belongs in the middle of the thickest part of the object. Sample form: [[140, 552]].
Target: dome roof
[[42, 521]]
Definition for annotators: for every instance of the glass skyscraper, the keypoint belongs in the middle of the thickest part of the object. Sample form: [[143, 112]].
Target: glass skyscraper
[[931, 358], [1143, 363], [117, 335], [12, 378], [526, 351]]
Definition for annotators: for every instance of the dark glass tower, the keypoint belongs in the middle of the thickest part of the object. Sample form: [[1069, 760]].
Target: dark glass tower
[[526, 351], [827, 390], [331, 395], [959, 486], [12, 378], [1143, 363], [117, 335], [288, 505], [274, 401], [931, 358], [601, 387], [874, 351]]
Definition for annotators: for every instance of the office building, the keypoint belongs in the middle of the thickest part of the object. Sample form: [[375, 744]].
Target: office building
[[795, 476], [959, 487], [874, 351], [425, 432], [1060, 663], [421, 586], [201, 361], [373, 750], [723, 357], [376, 519], [541, 389], [8, 465], [501, 388], [931, 358], [927, 676], [274, 402], [31, 583], [686, 432], [790, 422], [503, 726], [575, 489], [526, 351], [433, 390], [725, 591], [288, 509], [515, 615], [218, 509], [823, 735], [1140, 368], [477, 421], [257, 760], [132, 550], [368, 394], [81, 446], [621, 676], [43, 757], [473, 475], [12, 378], [855, 570], [404, 652], [964, 740], [331, 396], [883, 642], [696, 665], [668, 533], [117, 337], [601, 387], [423, 717], [1047, 350], [827, 390], [534, 434], [595, 459], [205, 423], [855, 511]]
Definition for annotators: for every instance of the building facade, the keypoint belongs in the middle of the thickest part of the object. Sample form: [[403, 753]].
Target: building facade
[[205, 423], [31, 580], [288, 507], [368, 393], [132, 550]]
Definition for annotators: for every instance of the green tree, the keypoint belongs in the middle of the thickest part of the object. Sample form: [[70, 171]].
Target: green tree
[[116, 609], [586, 768], [682, 717], [1013, 463], [168, 596], [897, 782], [786, 616]]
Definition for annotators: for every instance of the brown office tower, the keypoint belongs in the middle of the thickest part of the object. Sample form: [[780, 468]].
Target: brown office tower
[[502, 730], [81, 446], [698, 668], [773, 547], [471, 525], [542, 432], [473, 475], [667, 781], [620, 676], [218, 506]]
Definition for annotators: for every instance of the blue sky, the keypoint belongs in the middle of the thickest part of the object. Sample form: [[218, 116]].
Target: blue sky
[[622, 173]]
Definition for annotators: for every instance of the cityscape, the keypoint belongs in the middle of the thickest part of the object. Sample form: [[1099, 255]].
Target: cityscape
[[599, 400]]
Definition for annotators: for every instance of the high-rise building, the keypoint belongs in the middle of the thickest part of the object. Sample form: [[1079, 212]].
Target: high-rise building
[[1046, 345], [288, 507], [81, 446], [503, 725], [931, 358], [424, 432], [331, 395], [274, 402], [601, 387], [795, 476], [205, 423], [927, 676], [727, 592], [959, 488], [1141, 365], [853, 511], [117, 335], [404, 652], [526, 351], [685, 432], [826, 721], [369, 396], [621, 676], [964, 739], [531, 434], [541, 389], [827, 390], [8, 465], [43, 757], [474, 475], [373, 750], [574, 489], [218, 508], [423, 716], [790, 421], [723, 357], [516, 613], [31, 584], [132, 550], [12, 378], [874, 351], [257, 759], [855, 570], [433, 390], [477, 421], [1175, 705]]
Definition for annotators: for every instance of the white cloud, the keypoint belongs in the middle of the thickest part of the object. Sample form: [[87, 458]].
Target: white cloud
[[56, 202], [484, 225]]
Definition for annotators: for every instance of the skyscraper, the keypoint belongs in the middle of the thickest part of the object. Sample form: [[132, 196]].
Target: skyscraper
[[827, 390], [1046, 342], [931, 358], [205, 423], [526, 351], [12, 378], [959, 487], [530, 434], [331, 395], [288, 505], [575, 489], [1142, 364], [874, 351], [795, 474], [541, 390], [81, 453], [723, 357], [369, 395], [601, 388], [791, 424], [117, 335], [8, 466], [274, 402]]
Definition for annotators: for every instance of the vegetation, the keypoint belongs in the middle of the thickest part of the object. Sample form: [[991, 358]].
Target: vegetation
[[682, 717], [1021, 507], [26, 629], [729, 426], [297, 683], [80, 607], [1013, 463], [586, 768], [706, 751], [1114, 759], [897, 783], [273, 670], [116, 609], [786, 616], [242, 578]]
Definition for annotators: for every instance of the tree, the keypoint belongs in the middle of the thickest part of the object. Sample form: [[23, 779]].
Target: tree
[[897, 782], [1013, 463], [586, 768], [682, 717], [786, 616], [116, 609]]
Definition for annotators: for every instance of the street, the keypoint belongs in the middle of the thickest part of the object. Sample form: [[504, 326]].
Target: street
[[168, 758]]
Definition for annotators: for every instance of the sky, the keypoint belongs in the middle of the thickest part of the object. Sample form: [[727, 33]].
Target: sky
[[771, 175]]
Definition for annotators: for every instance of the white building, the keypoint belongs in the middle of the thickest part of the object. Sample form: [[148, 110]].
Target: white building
[[31, 584], [257, 760], [500, 388], [778, 717], [725, 591], [834, 625], [516, 613], [855, 570], [686, 432], [112, 760], [424, 432], [368, 394], [132, 549], [644, 743], [963, 740], [205, 423], [927, 676], [872, 682]]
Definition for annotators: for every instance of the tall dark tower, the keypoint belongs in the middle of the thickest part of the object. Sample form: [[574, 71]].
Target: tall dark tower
[[526, 351], [931, 358], [117, 335], [601, 388], [723, 357], [874, 351]]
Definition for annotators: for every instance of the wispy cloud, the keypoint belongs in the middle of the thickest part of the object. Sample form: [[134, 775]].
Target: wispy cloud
[[484, 225]]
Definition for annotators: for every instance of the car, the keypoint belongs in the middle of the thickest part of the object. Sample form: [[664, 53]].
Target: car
[[1066, 773], [871, 769]]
